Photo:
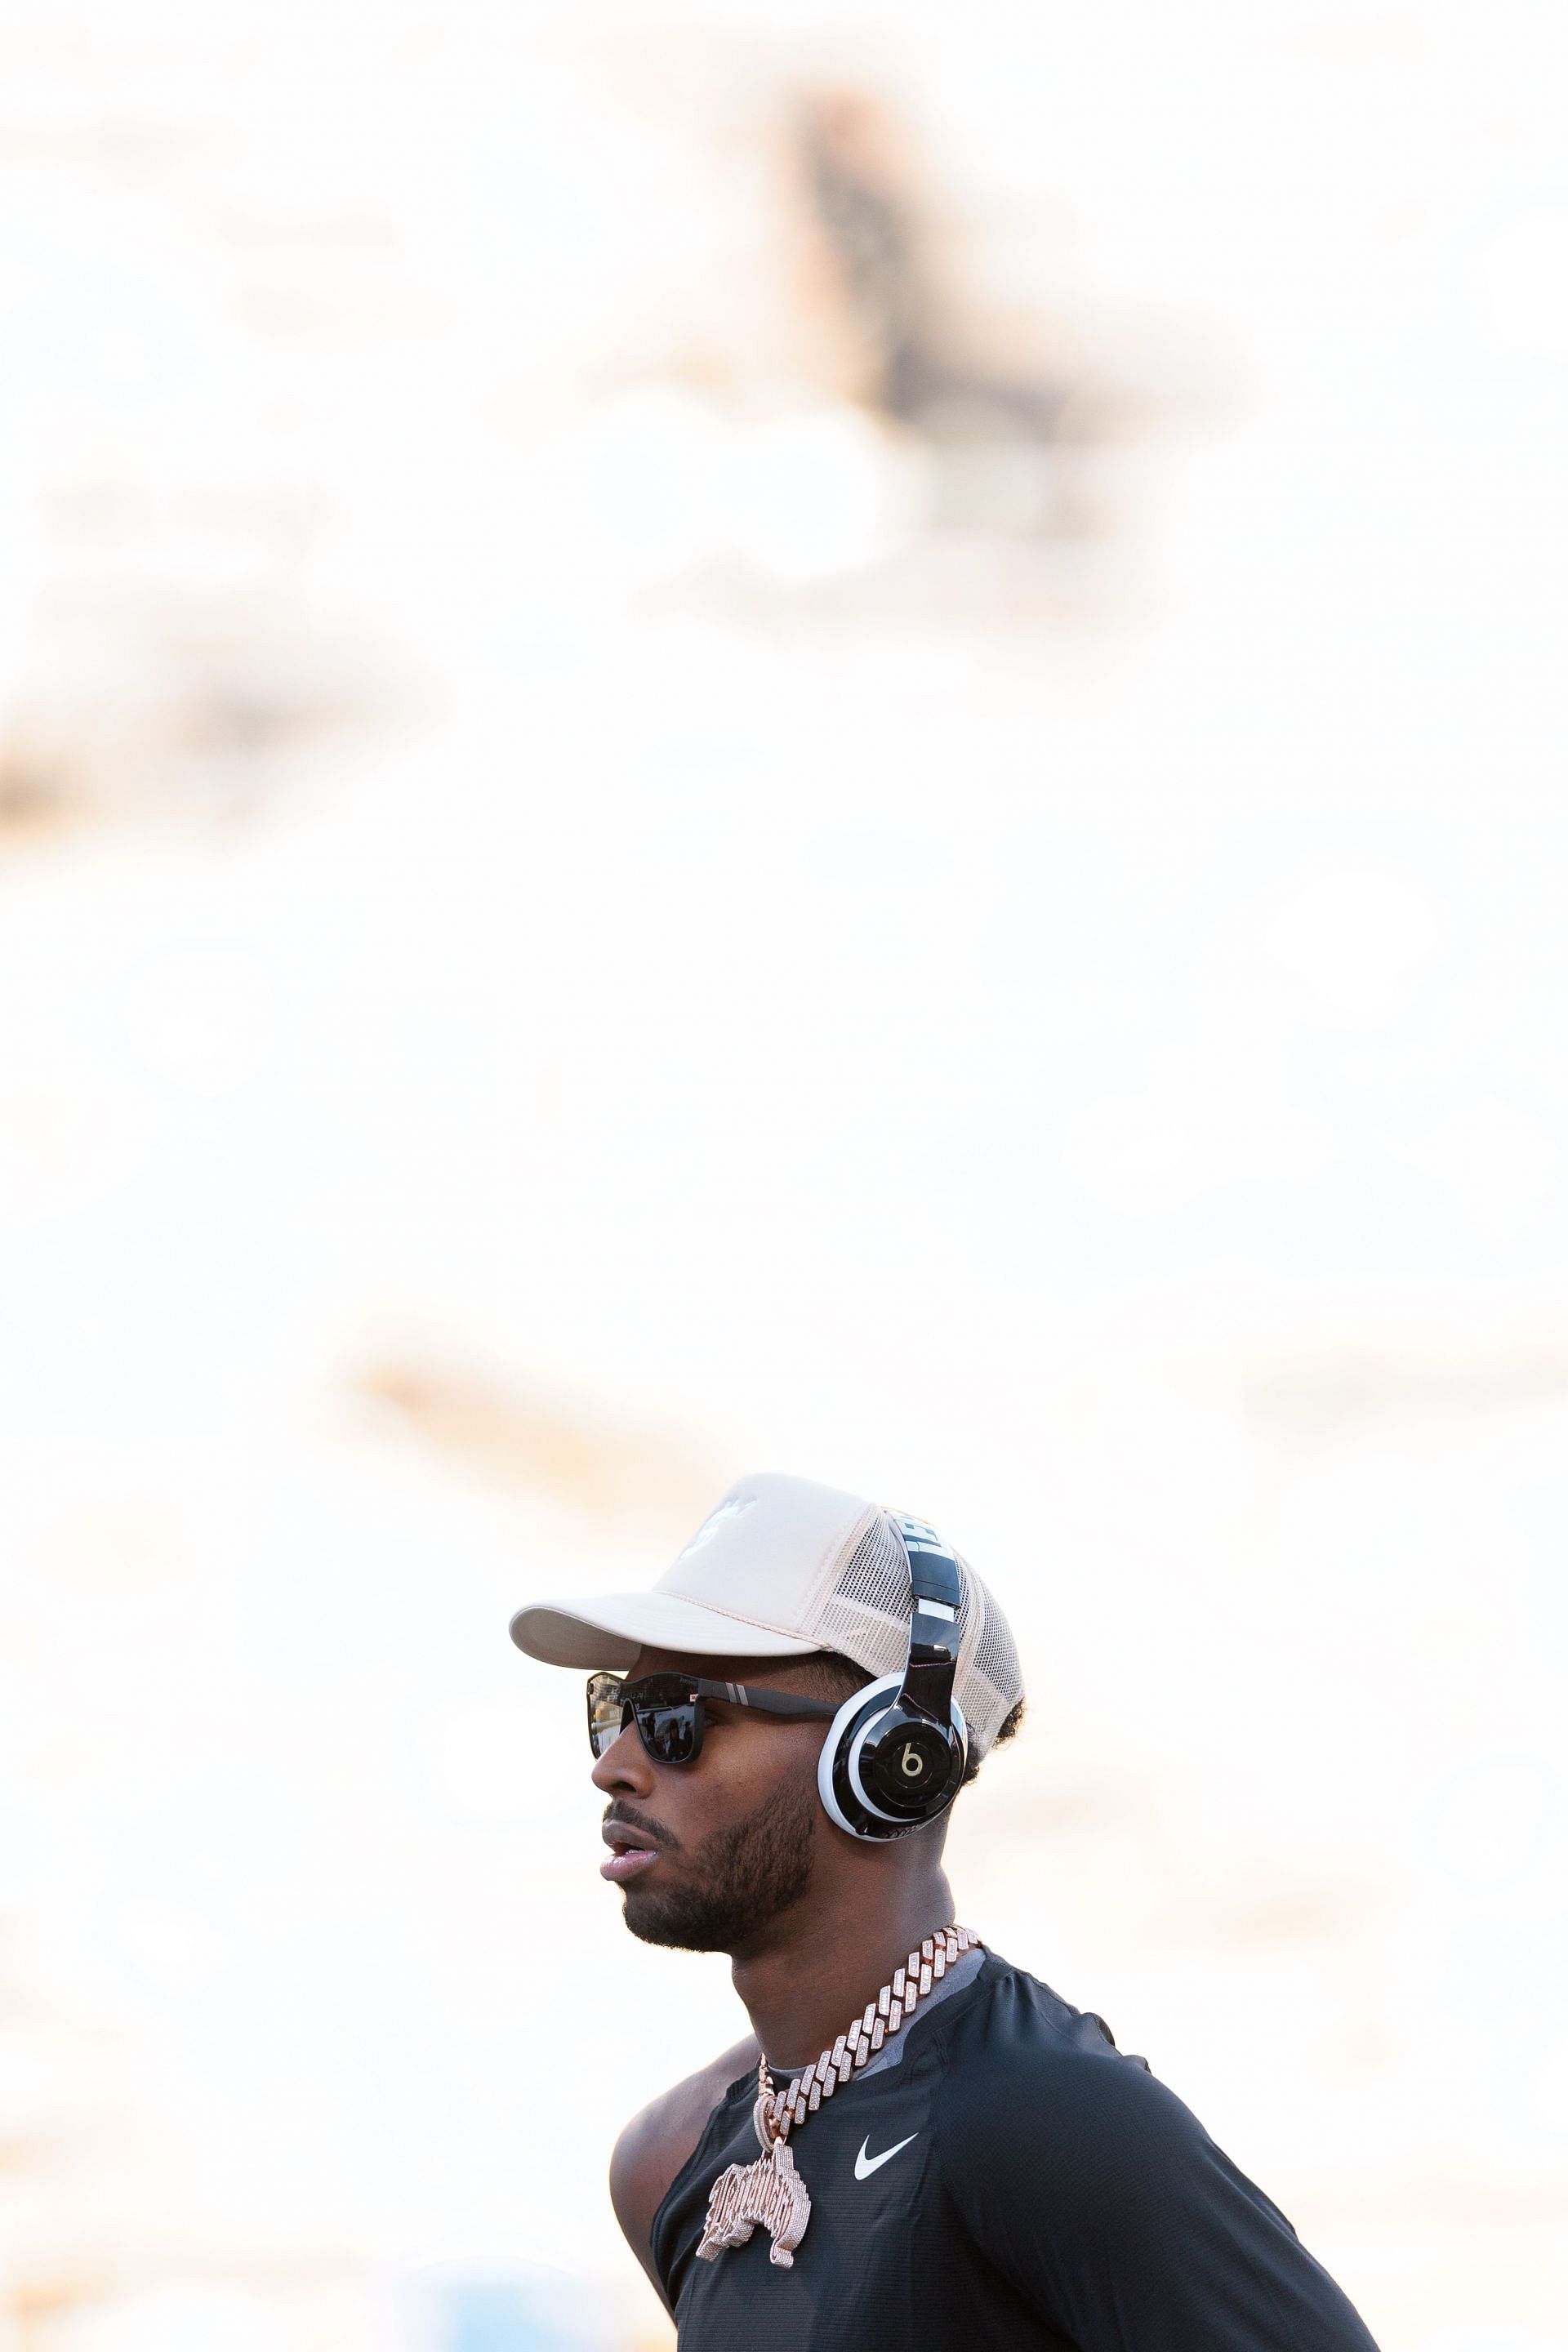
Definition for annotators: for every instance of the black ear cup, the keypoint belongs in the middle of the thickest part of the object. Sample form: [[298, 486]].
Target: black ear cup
[[906, 1764], [884, 1770]]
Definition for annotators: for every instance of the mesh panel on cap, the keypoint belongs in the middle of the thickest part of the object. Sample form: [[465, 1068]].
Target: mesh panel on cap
[[867, 1617], [878, 1576], [987, 1685], [996, 1654]]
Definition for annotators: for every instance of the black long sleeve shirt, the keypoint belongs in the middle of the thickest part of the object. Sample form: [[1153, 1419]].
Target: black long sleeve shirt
[[1014, 2183]]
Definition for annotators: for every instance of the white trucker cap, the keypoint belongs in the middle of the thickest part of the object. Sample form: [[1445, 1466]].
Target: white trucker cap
[[780, 1568]]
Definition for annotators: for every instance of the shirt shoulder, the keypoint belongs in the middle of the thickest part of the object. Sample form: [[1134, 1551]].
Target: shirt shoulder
[[1015, 2032], [1030, 2081], [1099, 2194]]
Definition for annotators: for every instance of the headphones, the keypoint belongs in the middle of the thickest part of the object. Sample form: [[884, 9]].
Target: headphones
[[895, 1753]]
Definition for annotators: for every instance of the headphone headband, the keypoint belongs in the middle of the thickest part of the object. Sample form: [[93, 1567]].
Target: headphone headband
[[936, 1592]]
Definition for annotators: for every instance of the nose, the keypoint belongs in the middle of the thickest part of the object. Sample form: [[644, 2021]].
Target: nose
[[626, 1767]]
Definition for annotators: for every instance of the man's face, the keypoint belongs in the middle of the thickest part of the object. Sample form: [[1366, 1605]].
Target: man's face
[[731, 1840]]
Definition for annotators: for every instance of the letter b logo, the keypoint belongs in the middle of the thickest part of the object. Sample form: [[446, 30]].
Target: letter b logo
[[912, 1763]]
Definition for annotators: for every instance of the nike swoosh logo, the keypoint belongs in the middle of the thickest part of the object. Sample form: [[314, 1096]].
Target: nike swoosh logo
[[865, 2165]]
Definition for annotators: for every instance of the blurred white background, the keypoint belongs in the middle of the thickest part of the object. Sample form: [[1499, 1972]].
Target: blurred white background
[[761, 736]]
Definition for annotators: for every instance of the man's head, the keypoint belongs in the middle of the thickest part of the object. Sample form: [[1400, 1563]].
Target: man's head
[[791, 1588], [710, 1855]]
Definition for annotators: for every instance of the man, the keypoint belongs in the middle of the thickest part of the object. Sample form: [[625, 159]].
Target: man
[[919, 2143]]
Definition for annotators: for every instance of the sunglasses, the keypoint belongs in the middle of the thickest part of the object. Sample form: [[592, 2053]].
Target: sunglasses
[[668, 1710]]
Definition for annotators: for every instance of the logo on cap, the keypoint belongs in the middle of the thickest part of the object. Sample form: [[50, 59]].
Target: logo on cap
[[733, 1509]]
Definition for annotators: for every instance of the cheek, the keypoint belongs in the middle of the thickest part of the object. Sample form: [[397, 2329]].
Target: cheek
[[737, 1777], [782, 1778]]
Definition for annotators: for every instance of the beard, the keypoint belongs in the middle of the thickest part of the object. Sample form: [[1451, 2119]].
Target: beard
[[740, 1878]]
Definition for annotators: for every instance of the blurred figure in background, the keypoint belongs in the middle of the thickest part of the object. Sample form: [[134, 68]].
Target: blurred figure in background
[[873, 257]]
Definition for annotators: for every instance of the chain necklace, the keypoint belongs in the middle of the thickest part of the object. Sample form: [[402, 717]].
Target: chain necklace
[[771, 2191]]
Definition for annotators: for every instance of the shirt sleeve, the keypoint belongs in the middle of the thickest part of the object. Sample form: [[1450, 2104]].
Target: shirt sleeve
[[1103, 2201]]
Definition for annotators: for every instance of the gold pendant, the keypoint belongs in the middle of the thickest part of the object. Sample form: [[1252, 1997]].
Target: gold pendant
[[770, 2192]]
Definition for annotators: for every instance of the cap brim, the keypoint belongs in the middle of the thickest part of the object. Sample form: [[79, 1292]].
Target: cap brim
[[609, 1631]]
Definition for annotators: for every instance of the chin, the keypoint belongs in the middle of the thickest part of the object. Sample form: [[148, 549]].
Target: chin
[[680, 1927], [697, 1920]]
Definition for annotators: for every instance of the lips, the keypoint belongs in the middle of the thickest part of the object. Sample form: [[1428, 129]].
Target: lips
[[628, 1862], [629, 1851]]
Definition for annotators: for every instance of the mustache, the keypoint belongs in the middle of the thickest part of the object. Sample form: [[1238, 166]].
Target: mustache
[[643, 1823]]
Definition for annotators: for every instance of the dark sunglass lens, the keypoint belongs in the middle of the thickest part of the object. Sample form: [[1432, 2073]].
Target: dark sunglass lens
[[668, 1731], [606, 1712]]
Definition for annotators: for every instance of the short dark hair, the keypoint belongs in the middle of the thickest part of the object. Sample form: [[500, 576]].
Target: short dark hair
[[839, 1678]]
